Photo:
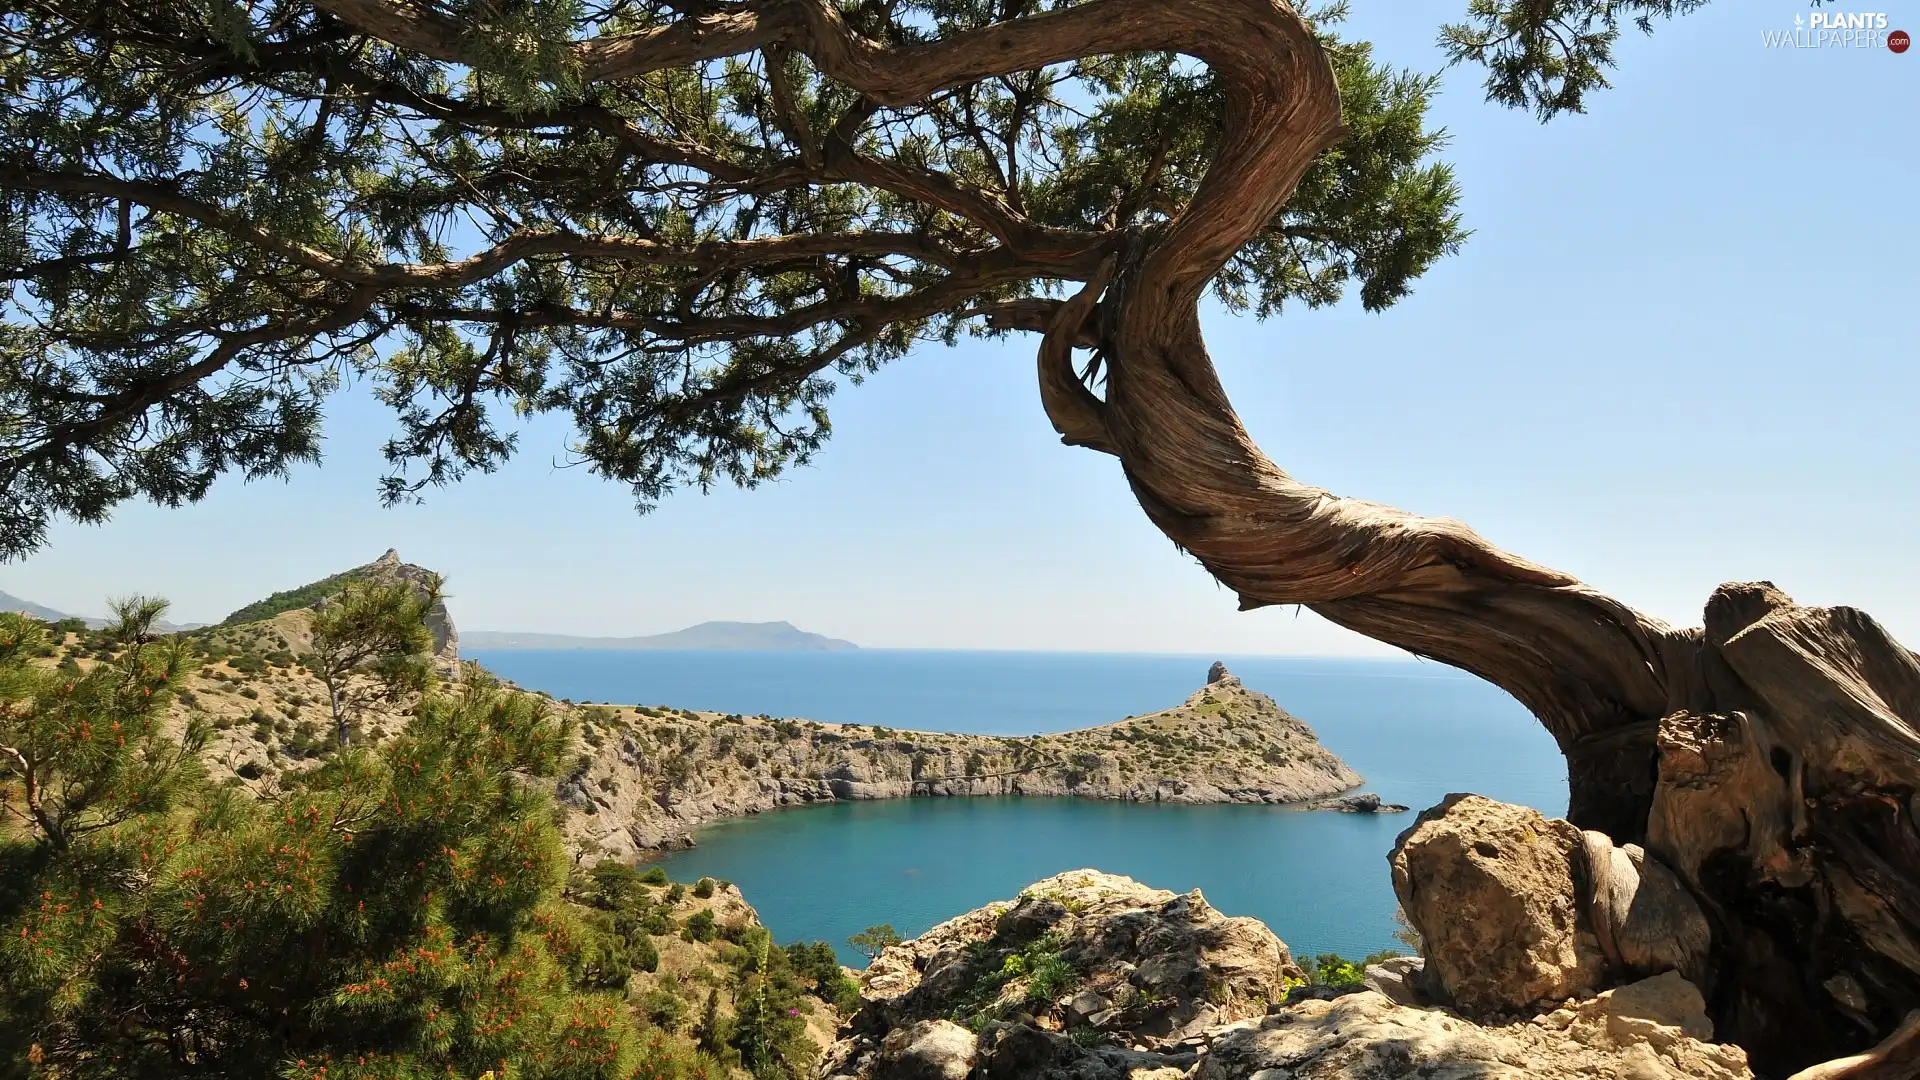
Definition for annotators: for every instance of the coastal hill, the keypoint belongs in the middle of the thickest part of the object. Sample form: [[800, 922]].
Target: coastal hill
[[765, 636], [643, 777]]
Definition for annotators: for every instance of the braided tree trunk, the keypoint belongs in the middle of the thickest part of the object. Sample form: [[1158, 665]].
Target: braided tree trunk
[[1770, 759]]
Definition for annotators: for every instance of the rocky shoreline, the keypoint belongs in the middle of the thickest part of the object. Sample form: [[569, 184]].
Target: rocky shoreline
[[652, 776]]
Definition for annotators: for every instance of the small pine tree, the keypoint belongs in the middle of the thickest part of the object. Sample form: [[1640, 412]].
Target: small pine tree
[[373, 637], [875, 940]]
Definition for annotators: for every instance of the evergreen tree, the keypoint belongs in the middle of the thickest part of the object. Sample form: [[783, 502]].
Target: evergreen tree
[[371, 640], [875, 940], [393, 914]]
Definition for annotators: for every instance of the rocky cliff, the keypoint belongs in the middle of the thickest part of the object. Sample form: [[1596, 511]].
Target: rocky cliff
[[1088, 976], [650, 775]]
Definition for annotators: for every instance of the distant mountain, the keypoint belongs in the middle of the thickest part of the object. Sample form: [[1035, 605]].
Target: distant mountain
[[9, 602], [763, 636]]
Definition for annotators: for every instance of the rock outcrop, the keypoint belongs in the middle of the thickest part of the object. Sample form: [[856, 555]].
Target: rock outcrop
[[1364, 802], [654, 774], [446, 638], [1490, 888], [1516, 911], [1088, 976]]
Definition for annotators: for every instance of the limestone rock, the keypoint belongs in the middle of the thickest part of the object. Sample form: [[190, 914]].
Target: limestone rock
[[928, 1050], [1398, 979], [1490, 888], [1127, 965], [1162, 987], [1666, 1000], [1365, 1035], [1363, 802]]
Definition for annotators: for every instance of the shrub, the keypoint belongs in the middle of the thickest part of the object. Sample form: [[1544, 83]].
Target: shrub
[[700, 926], [1334, 970], [646, 957], [664, 1009], [1048, 976], [654, 875], [703, 888]]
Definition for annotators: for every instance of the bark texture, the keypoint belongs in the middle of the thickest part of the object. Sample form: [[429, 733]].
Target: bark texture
[[1770, 759]]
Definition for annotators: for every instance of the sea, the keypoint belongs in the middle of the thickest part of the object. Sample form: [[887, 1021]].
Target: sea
[[1416, 731]]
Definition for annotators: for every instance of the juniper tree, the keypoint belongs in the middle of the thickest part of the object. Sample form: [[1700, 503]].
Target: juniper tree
[[371, 640], [684, 223]]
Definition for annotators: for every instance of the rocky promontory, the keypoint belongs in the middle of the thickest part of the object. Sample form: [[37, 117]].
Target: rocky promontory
[[650, 775]]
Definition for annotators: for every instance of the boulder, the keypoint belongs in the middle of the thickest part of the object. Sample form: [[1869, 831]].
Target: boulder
[[1398, 979], [1366, 1035], [1490, 888], [928, 1050]]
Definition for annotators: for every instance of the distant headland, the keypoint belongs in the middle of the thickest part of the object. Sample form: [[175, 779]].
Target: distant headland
[[762, 636]]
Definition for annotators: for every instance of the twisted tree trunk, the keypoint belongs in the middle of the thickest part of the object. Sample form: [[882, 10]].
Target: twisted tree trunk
[[1770, 759]]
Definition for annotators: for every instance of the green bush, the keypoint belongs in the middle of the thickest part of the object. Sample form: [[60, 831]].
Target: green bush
[[699, 926], [664, 1009], [654, 875], [703, 888], [1340, 973]]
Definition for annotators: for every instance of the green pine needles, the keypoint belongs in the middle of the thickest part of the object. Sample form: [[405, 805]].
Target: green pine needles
[[682, 227], [397, 912]]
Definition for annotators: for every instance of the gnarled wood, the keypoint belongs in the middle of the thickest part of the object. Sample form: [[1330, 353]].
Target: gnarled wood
[[1896, 1058]]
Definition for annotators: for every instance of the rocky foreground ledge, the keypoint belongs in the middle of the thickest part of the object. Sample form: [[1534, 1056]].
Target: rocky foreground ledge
[[1089, 976], [1546, 953], [653, 775]]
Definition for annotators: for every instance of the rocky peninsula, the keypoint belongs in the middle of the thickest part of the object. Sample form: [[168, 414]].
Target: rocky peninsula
[[649, 776]]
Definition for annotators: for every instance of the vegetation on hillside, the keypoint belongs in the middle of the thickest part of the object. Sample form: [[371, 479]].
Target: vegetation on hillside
[[306, 596], [398, 910]]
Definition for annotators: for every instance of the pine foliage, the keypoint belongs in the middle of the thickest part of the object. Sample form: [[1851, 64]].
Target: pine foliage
[[399, 912], [214, 214]]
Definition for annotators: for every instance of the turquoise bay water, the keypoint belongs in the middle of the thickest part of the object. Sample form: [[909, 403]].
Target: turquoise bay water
[[1416, 732]]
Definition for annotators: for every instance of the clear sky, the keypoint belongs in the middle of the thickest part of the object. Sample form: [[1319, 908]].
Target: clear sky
[[1679, 349]]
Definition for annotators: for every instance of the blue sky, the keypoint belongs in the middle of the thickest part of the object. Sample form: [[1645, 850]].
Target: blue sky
[[1679, 349]]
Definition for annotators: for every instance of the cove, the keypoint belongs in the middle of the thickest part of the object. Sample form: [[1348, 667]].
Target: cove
[[824, 872], [1415, 731]]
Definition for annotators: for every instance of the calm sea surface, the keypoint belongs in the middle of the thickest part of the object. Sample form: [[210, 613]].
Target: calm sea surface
[[1415, 731]]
